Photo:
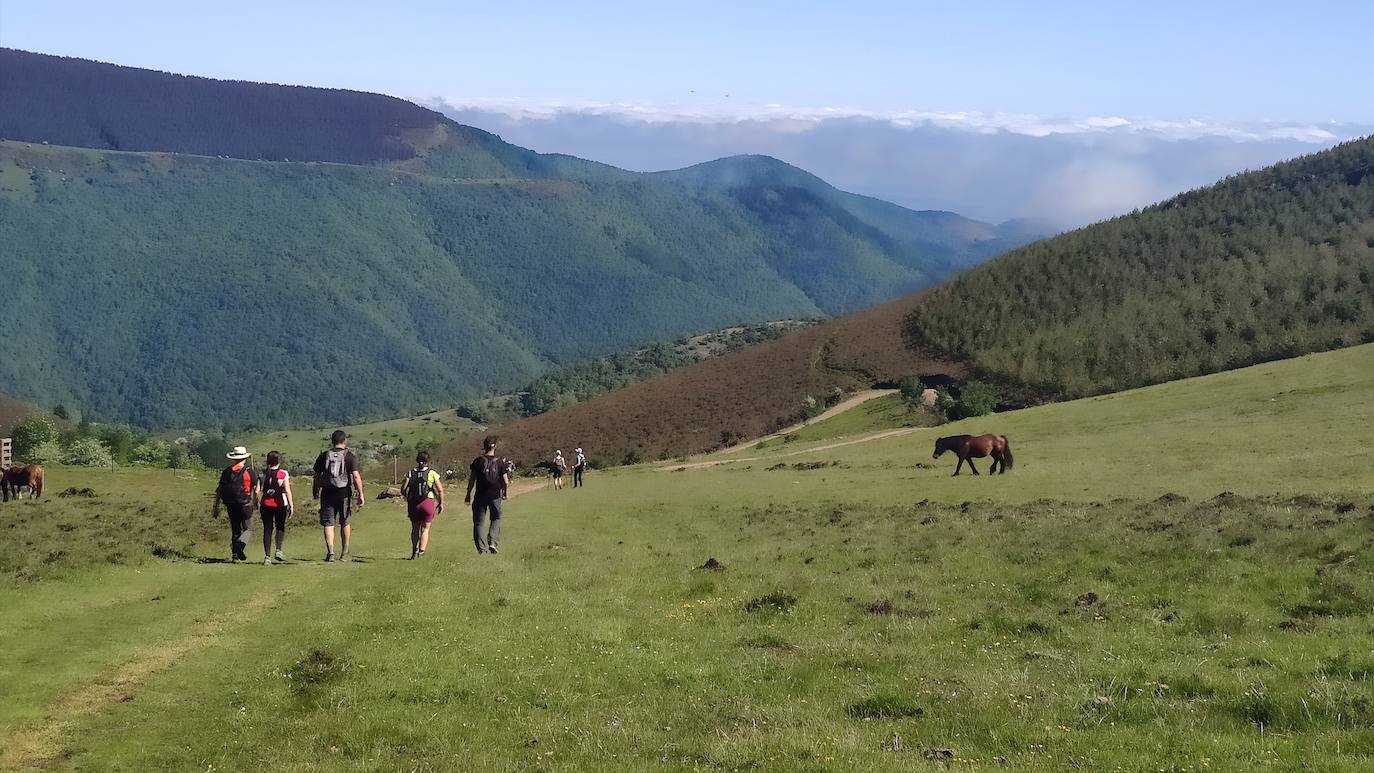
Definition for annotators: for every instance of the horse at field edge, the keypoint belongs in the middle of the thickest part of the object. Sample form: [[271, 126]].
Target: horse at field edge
[[16, 478], [969, 447]]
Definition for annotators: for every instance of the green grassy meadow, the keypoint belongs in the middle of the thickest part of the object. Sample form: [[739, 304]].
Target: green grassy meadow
[[1175, 578], [434, 428]]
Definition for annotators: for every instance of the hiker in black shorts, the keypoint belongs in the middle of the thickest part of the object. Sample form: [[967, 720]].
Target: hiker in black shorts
[[338, 484], [559, 464], [237, 492], [489, 474]]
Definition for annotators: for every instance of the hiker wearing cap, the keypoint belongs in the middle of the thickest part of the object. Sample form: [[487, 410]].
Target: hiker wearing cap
[[276, 503], [559, 464], [579, 464], [338, 485], [490, 476], [424, 493], [237, 493]]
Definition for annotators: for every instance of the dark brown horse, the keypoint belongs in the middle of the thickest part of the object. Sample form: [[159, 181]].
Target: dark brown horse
[[969, 447], [16, 478]]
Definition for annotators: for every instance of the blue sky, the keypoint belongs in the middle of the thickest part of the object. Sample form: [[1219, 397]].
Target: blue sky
[[1244, 61]]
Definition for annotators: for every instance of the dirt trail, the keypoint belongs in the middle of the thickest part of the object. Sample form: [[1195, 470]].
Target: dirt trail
[[834, 410], [38, 744], [887, 433]]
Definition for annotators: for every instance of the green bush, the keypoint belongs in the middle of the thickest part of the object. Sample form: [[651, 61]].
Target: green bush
[[47, 453], [152, 454], [976, 399], [87, 452], [31, 433]]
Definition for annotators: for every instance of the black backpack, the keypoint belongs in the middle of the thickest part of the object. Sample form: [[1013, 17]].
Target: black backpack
[[272, 487], [494, 471], [231, 486], [417, 488]]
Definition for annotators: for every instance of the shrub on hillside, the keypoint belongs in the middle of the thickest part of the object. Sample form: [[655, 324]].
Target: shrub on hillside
[[911, 389], [472, 412], [47, 453], [87, 452], [31, 433], [152, 454], [976, 399]]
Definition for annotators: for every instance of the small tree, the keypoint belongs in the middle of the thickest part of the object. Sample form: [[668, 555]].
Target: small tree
[[60, 411], [472, 412], [976, 399], [911, 390], [87, 452], [47, 453], [31, 433]]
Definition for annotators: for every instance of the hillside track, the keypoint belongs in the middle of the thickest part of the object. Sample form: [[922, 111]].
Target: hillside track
[[852, 401]]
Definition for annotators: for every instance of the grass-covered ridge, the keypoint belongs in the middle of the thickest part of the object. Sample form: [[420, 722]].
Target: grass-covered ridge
[[1173, 577], [1260, 266]]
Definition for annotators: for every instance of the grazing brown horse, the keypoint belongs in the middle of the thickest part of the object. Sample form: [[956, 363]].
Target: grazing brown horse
[[16, 477], [970, 446]]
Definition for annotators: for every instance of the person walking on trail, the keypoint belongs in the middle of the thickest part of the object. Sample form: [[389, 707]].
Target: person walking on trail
[[489, 475], [559, 465], [424, 493], [236, 492], [338, 485], [579, 464], [277, 503]]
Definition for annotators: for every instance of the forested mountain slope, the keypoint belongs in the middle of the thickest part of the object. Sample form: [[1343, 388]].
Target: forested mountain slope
[[1260, 266], [409, 262]]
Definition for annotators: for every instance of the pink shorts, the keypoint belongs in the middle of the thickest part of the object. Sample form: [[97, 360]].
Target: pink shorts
[[423, 512]]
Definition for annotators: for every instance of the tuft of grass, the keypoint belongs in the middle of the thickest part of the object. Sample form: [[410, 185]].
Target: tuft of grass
[[884, 707], [776, 601]]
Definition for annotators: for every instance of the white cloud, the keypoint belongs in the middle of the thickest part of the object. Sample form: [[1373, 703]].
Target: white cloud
[[990, 166], [793, 118]]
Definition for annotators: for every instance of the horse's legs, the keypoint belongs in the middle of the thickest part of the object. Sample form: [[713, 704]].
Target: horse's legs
[[959, 466], [971, 467], [998, 466]]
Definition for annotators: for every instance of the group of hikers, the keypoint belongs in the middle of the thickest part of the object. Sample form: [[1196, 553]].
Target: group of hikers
[[560, 465], [338, 487]]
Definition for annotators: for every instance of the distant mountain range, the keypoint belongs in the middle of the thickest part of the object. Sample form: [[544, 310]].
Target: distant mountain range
[[180, 250], [1261, 266]]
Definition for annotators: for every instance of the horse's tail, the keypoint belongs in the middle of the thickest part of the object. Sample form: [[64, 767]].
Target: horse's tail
[[1007, 461]]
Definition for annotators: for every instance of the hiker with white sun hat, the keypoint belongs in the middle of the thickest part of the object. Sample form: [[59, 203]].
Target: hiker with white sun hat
[[237, 491]]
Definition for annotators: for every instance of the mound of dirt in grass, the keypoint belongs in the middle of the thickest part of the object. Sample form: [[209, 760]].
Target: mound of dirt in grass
[[711, 565]]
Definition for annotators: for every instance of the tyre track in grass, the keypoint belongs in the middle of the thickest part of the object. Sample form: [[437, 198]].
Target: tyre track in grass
[[39, 743]]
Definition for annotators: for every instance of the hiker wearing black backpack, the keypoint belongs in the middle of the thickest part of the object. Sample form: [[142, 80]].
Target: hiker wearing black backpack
[[236, 492], [489, 474], [424, 493], [277, 503], [338, 485]]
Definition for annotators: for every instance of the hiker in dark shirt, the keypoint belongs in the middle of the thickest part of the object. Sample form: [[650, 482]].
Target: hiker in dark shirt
[[490, 476], [338, 485], [237, 492]]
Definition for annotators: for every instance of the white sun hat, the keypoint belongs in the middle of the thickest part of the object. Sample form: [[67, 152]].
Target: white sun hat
[[238, 453]]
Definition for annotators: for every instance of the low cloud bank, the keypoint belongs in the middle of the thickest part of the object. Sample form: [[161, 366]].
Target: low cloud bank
[[994, 167]]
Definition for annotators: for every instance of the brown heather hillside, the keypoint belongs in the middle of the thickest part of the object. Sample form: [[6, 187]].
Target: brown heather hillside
[[11, 411], [745, 394]]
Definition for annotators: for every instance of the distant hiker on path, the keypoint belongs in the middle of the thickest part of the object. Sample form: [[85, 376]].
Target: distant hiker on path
[[559, 464], [424, 493], [278, 503], [338, 484], [236, 491], [579, 464], [489, 474]]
